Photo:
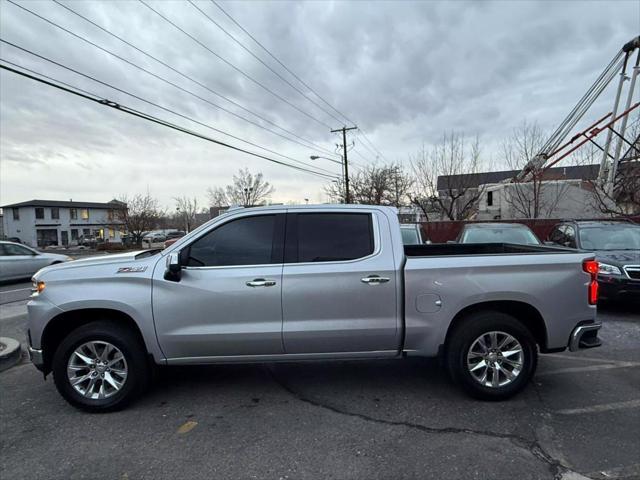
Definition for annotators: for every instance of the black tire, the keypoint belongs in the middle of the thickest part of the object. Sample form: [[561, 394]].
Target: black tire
[[125, 340], [467, 332]]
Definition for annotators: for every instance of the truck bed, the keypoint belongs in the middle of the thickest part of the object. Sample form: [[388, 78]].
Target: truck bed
[[466, 249]]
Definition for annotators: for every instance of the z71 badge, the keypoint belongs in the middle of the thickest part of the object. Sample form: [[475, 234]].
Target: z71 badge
[[131, 269]]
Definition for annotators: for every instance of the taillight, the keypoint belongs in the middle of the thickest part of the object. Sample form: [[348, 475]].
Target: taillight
[[591, 267]]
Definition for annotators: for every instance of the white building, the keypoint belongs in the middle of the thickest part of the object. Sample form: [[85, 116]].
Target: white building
[[43, 223]]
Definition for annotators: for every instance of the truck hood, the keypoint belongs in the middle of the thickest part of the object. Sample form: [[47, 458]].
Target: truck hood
[[138, 258], [618, 257]]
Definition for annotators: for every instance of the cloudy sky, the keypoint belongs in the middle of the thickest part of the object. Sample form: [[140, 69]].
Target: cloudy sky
[[405, 72]]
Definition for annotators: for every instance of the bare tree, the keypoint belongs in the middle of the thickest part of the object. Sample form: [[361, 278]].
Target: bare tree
[[374, 185], [536, 196], [247, 190], [336, 191], [442, 178], [186, 209], [140, 215]]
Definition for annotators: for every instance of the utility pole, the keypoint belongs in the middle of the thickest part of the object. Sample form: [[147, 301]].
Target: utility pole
[[347, 198]]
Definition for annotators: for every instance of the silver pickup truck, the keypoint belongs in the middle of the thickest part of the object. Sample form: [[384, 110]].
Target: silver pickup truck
[[301, 283]]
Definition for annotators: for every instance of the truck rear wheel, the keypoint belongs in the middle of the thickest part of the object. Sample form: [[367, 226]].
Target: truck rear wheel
[[492, 355], [100, 367]]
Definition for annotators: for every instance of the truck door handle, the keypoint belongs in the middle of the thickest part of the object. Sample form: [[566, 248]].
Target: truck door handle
[[374, 280], [261, 282]]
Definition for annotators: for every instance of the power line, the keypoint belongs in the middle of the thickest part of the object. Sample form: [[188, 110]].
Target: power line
[[137, 97], [282, 64], [184, 75], [374, 147], [123, 108], [232, 37], [158, 77], [291, 72], [239, 70]]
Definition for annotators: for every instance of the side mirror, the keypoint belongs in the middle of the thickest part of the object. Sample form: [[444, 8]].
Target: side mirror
[[173, 272]]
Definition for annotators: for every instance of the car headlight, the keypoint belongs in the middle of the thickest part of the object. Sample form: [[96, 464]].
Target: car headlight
[[37, 286], [606, 269]]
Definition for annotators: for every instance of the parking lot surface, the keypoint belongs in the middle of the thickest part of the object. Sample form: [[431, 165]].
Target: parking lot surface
[[376, 419]]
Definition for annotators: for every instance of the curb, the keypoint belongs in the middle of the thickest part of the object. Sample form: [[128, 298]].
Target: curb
[[11, 354]]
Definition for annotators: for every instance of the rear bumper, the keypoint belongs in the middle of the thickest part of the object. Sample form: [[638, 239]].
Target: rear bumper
[[585, 336]]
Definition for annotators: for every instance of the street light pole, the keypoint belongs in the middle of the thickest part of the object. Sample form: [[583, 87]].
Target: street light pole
[[344, 160]]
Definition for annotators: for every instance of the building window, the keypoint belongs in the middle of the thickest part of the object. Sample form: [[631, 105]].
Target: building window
[[86, 232], [489, 199], [74, 234], [55, 214], [16, 214], [112, 233], [39, 213], [84, 214], [73, 214]]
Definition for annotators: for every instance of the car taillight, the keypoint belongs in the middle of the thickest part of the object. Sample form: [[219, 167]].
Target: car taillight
[[591, 267]]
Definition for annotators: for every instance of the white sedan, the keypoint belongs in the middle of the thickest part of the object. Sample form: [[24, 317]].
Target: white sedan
[[19, 261]]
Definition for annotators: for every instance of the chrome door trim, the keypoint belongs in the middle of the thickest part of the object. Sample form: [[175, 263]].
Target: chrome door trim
[[286, 357]]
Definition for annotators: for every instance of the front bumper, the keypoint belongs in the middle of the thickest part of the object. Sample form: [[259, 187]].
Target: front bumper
[[585, 336], [615, 287], [36, 357]]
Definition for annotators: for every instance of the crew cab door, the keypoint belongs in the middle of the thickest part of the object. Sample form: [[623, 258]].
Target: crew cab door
[[227, 301], [339, 283]]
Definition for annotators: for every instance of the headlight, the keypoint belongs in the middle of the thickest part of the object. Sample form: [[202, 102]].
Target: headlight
[[606, 269], [37, 286]]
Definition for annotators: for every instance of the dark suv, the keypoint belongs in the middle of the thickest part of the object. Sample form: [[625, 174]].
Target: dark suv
[[617, 248]]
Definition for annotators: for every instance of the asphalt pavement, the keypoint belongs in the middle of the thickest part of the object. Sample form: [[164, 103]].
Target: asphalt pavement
[[580, 418]]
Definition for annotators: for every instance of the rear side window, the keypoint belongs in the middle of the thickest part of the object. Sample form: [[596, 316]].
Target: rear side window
[[245, 241], [326, 237]]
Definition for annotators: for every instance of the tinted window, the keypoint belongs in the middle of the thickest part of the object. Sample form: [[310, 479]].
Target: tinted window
[[245, 241], [410, 236], [556, 235], [610, 237], [324, 237], [10, 249], [570, 237], [500, 235]]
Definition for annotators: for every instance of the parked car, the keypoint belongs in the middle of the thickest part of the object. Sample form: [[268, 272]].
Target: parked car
[[18, 261], [88, 241], [497, 233], [11, 239], [617, 248], [155, 237], [175, 234], [411, 234], [172, 237], [336, 283]]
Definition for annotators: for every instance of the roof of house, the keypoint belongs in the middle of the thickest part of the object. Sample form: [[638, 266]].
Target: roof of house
[[472, 180], [63, 203]]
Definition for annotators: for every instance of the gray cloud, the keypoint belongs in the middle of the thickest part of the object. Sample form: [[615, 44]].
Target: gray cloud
[[405, 71]]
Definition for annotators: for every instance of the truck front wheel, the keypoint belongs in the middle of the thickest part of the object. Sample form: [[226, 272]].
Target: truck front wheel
[[492, 355], [100, 367]]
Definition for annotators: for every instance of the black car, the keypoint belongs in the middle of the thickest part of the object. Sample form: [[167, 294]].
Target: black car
[[617, 248]]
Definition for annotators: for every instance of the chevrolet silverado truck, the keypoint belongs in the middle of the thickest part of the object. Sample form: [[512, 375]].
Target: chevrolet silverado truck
[[306, 283]]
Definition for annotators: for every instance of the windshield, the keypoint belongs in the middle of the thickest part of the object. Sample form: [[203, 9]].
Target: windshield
[[610, 237], [410, 236], [500, 235]]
